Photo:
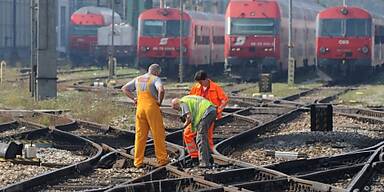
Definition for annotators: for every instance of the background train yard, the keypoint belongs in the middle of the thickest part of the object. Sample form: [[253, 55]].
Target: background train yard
[[65, 124]]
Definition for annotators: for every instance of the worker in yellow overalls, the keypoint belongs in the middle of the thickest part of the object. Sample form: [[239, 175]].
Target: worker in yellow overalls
[[150, 94]]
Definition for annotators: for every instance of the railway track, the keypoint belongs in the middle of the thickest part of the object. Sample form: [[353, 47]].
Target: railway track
[[316, 95], [101, 134], [231, 125], [263, 114], [56, 151], [112, 169], [170, 179], [295, 136]]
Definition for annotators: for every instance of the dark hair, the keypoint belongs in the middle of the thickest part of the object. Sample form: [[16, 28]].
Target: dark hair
[[201, 75]]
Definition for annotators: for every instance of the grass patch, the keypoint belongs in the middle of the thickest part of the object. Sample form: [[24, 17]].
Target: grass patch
[[98, 73], [95, 107], [365, 95]]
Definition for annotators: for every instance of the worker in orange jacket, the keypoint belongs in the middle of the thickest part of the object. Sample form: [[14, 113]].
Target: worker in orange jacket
[[215, 94]]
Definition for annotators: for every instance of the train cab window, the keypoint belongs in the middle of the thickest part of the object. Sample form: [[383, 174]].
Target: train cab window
[[345, 27], [331, 27], [83, 30], [152, 28], [167, 28], [254, 26], [358, 27]]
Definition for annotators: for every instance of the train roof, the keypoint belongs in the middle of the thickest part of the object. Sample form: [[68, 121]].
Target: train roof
[[173, 13], [94, 10], [270, 7], [105, 13], [343, 12]]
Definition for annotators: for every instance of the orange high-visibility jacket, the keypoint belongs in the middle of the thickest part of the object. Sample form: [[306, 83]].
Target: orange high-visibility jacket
[[214, 93]]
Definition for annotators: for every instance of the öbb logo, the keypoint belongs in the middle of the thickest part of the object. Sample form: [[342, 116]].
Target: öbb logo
[[344, 42]]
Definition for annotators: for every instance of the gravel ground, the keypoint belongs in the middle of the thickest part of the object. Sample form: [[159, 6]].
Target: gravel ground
[[348, 135], [263, 118], [100, 178], [14, 131], [85, 131], [378, 183], [58, 156], [343, 183], [232, 128], [12, 173], [123, 122], [318, 95]]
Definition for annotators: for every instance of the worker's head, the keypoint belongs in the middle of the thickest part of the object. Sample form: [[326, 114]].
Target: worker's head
[[175, 103], [154, 69], [202, 77]]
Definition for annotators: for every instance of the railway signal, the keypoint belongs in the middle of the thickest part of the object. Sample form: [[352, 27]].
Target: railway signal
[[3, 64]]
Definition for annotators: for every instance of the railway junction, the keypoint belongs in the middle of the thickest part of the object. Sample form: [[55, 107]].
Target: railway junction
[[306, 140]]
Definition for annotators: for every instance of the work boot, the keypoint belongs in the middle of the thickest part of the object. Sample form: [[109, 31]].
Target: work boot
[[163, 163], [211, 160], [194, 162], [205, 165]]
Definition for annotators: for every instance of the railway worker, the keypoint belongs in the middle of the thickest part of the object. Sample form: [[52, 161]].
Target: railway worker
[[215, 94], [199, 114], [150, 94]]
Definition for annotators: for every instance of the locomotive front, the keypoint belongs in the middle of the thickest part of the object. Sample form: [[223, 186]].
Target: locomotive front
[[344, 40]]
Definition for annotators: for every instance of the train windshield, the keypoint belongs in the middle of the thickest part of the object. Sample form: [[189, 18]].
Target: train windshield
[[84, 30], [358, 27], [345, 27], [168, 28], [254, 26]]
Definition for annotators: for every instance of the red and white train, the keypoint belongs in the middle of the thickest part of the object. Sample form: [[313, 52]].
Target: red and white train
[[83, 30], [349, 40], [256, 37], [159, 41]]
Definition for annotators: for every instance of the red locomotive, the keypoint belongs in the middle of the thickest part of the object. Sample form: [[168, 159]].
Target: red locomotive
[[159, 41], [256, 38], [349, 40], [83, 32]]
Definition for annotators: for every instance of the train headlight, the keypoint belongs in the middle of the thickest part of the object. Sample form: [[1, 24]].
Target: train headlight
[[323, 50], [145, 49], [365, 50], [344, 11]]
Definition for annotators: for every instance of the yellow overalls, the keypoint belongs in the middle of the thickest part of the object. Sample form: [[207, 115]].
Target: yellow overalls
[[148, 117]]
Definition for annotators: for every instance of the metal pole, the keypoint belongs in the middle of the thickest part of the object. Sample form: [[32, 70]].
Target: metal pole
[[14, 31], [33, 48], [344, 3], [162, 3], [111, 60], [291, 60], [181, 65]]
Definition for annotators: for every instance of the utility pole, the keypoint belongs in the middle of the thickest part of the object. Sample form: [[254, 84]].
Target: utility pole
[[111, 58], [344, 3], [14, 56], [181, 64], [32, 79], [291, 60], [46, 50], [162, 3]]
